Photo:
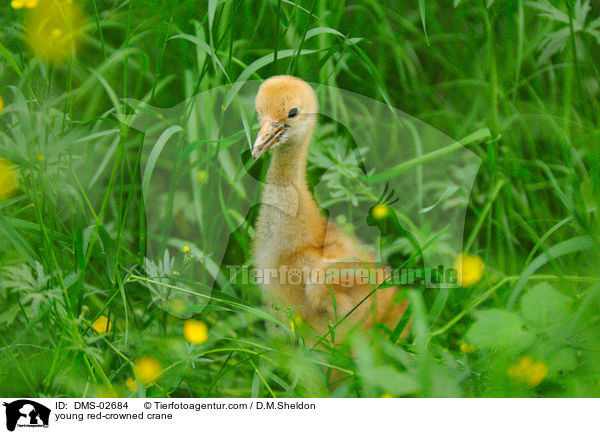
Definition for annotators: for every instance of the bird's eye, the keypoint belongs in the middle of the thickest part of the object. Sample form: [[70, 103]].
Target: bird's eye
[[293, 112]]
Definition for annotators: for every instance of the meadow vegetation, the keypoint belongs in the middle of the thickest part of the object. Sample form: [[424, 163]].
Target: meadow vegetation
[[80, 298]]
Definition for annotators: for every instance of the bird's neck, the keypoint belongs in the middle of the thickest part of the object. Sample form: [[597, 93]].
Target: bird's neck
[[291, 213], [288, 165]]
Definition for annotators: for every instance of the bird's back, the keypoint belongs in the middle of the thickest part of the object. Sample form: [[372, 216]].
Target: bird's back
[[327, 275]]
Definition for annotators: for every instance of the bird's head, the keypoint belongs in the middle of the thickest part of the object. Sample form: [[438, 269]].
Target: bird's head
[[287, 110]]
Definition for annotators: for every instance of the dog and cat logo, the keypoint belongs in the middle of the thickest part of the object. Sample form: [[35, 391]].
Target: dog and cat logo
[[26, 413]]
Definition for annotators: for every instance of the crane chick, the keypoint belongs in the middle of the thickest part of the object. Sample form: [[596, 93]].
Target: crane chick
[[295, 245]]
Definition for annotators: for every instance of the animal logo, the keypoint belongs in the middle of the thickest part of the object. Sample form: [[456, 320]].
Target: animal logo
[[385, 178], [26, 413]]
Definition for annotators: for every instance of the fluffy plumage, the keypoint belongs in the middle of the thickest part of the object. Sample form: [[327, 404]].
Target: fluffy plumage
[[291, 232]]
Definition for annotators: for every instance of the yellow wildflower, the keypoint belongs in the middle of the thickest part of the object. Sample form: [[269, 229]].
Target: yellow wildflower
[[467, 348], [56, 33], [296, 321], [380, 211], [53, 28], [469, 269], [9, 179], [131, 384], [195, 331], [528, 371], [102, 325], [387, 395], [17, 4], [186, 249], [148, 370], [201, 176], [1, 105], [20, 4]]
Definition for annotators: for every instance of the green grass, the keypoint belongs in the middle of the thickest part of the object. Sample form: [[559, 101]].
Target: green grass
[[517, 81]]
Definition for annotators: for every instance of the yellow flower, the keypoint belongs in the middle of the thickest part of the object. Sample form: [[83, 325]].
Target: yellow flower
[[19, 4], [102, 325], [387, 395], [53, 28], [147, 369], [380, 211], [469, 269], [467, 348], [186, 249], [56, 33], [1, 105], [296, 321], [528, 371], [201, 176], [41, 157], [195, 331], [9, 179], [131, 384]]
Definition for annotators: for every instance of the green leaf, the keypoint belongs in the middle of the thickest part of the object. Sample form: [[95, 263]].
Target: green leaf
[[377, 376], [203, 45], [8, 316], [109, 251], [423, 19], [8, 233], [392, 381], [155, 154], [10, 59], [573, 245], [445, 384], [561, 361], [481, 134], [543, 306], [499, 328]]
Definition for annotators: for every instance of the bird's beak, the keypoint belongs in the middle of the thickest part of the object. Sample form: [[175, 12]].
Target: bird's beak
[[268, 136]]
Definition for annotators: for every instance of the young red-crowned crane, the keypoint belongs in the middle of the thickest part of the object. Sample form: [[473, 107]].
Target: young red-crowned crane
[[293, 238]]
